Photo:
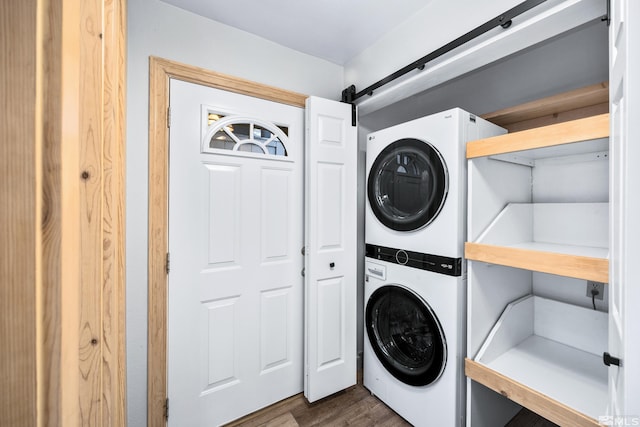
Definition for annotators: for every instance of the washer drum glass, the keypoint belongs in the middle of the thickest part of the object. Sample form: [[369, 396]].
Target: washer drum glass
[[405, 335]]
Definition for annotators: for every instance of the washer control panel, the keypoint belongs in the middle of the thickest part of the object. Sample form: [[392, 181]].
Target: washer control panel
[[430, 262]]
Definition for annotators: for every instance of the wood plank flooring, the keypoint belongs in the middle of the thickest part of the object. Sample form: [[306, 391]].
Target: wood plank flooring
[[526, 418], [355, 406]]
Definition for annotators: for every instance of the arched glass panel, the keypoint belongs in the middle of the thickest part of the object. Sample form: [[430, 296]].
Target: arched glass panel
[[245, 135], [249, 147]]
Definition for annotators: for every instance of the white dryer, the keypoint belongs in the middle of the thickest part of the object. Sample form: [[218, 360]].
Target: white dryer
[[416, 182], [414, 342]]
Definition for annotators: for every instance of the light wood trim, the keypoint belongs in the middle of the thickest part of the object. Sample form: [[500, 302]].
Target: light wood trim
[[529, 398], [40, 269], [189, 73], [158, 243], [101, 224], [20, 192], [49, 85], [575, 100], [113, 407], [547, 136], [91, 212], [579, 267], [160, 72], [562, 116], [60, 245], [68, 205]]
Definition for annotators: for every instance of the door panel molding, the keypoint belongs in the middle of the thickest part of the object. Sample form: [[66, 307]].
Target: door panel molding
[[160, 72], [331, 248]]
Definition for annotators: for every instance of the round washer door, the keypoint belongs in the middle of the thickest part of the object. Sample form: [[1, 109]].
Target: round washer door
[[405, 335], [408, 184]]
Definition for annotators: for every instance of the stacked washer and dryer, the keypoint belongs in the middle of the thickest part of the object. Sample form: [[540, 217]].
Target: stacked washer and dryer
[[415, 283]]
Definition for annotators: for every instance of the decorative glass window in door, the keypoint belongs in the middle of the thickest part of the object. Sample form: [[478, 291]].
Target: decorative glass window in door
[[244, 135]]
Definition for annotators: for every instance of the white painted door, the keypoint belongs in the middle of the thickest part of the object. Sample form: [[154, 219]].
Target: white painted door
[[235, 314], [624, 317], [330, 239]]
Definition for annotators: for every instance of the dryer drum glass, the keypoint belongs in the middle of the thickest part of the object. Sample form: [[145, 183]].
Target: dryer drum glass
[[405, 335], [408, 185]]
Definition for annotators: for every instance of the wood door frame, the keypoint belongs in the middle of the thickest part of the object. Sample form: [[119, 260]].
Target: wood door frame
[[161, 71], [61, 304], [101, 185]]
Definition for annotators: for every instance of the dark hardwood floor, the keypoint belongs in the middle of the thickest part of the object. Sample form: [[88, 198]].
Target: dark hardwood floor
[[526, 418], [355, 406]]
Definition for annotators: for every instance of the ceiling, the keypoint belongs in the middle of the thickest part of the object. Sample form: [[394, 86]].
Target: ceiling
[[335, 30]]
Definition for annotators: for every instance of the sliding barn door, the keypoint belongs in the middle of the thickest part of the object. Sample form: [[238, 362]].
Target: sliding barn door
[[330, 247]]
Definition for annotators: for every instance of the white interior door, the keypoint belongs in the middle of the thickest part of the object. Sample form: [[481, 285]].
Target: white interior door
[[330, 241], [624, 320], [235, 314]]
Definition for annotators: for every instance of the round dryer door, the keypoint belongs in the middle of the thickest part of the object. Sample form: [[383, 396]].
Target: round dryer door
[[405, 335], [408, 184]]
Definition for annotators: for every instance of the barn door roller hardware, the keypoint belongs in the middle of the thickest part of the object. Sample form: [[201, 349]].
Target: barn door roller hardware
[[349, 95]]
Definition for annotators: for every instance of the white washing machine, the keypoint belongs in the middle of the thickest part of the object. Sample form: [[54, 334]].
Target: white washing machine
[[416, 182], [414, 341]]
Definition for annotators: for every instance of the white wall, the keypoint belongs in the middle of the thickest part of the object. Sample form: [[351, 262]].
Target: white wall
[[156, 28], [437, 24]]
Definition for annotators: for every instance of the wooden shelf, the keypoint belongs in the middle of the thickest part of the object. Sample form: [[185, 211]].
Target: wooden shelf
[[545, 355], [579, 103], [589, 128], [562, 264], [531, 399], [567, 239]]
